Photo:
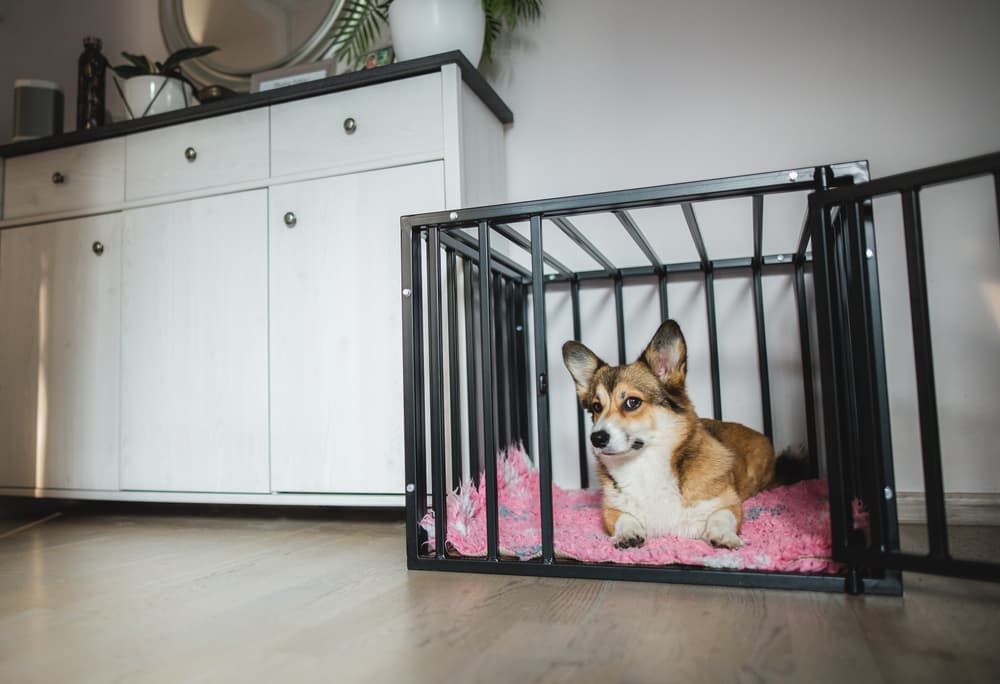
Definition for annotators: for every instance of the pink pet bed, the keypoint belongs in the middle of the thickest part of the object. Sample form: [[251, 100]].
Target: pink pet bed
[[786, 529]]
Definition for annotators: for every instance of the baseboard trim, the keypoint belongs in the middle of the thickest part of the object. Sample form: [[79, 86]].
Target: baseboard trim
[[961, 508]]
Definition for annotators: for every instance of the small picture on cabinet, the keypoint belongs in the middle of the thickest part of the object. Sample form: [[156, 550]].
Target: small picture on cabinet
[[376, 58]]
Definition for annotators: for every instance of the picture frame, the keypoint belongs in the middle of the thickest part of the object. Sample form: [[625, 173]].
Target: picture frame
[[286, 76]]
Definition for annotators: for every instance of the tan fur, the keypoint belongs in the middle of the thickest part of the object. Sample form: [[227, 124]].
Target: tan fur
[[710, 460]]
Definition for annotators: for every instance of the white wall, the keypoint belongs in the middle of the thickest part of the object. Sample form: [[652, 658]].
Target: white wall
[[44, 38], [610, 95]]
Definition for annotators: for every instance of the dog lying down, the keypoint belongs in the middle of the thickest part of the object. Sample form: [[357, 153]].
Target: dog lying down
[[664, 470]]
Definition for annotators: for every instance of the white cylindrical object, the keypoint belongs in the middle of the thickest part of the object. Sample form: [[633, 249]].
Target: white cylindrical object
[[428, 27]]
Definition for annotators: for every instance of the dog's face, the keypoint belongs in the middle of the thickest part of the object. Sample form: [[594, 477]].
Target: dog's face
[[637, 405]]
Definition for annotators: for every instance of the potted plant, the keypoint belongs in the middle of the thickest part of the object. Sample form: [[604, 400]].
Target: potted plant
[[156, 87], [425, 27]]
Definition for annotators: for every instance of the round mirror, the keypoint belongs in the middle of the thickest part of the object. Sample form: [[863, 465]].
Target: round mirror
[[252, 35]]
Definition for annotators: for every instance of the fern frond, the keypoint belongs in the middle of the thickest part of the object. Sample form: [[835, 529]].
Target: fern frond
[[504, 15], [359, 24]]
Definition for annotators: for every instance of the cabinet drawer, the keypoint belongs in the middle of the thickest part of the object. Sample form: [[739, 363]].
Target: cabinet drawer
[[379, 123], [200, 154], [78, 177]]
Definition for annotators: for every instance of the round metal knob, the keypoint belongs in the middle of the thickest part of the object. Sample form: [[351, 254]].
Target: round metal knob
[[190, 154], [98, 248], [290, 219], [350, 125], [58, 178]]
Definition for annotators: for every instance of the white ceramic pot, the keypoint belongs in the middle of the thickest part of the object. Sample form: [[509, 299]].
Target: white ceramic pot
[[428, 27], [148, 95]]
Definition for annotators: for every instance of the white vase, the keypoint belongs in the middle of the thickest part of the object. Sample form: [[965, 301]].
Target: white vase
[[428, 27], [148, 95]]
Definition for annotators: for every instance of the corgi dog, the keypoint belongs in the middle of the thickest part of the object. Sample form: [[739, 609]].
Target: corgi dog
[[664, 470]]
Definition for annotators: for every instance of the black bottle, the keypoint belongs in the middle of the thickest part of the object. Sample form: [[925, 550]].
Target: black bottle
[[90, 85]]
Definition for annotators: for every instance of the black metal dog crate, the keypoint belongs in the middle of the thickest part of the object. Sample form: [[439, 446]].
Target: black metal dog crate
[[477, 344]]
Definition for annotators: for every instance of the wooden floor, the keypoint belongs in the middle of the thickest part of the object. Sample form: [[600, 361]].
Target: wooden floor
[[140, 595]]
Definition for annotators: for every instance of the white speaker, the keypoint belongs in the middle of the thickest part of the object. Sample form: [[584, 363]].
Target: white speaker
[[38, 109]]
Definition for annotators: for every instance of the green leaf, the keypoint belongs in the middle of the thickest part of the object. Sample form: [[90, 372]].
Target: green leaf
[[503, 15], [128, 71], [140, 62], [185, 54], [359, 24]]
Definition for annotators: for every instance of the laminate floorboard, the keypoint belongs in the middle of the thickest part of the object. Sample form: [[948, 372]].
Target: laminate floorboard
[[146, 595]]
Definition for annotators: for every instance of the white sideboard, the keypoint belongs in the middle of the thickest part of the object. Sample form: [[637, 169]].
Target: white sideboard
[[206, 308]]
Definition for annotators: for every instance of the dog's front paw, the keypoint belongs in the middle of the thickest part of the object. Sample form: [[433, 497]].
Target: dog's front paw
[[726, 540], [721, 530], [629, 532]]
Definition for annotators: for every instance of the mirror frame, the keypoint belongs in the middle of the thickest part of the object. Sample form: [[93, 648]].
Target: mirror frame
[[203, 71]]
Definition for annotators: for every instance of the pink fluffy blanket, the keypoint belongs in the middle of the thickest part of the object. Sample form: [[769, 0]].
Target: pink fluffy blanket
[[786, 529]]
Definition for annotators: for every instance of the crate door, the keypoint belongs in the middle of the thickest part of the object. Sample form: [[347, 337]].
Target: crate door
[[854, 352]]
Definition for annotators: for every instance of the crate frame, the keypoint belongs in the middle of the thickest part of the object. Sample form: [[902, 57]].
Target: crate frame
[[838, 226]]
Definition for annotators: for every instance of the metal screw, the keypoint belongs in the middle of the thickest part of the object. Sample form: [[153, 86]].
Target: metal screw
[[410, 488], [58, 178], [519, 328], [453, 215], [869, 253], [407, 292], [888, 493], [793, 175], [781, 257]]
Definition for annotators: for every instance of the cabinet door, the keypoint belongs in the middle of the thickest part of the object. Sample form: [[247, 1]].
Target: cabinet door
[[194, 345], [336, 340], [59, 352]]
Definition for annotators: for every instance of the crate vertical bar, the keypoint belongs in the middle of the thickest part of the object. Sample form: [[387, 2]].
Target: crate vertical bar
[[664, 302], [828, 294], [807, 366], [620, 319], [844, 350], [930, 439], [522, 352], [542, 398], [472, 394], [880, 383], [713, 331], [435, 377], [454, 372], [489, 394], [413, 390], [581, 421], [500, 350], [713, 343], [758, 302], [868, 428]]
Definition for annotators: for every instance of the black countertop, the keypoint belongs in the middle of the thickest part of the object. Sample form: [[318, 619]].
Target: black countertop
[[238, 103]]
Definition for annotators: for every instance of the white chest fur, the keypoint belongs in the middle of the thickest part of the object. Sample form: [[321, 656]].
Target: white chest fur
[[646, 488]]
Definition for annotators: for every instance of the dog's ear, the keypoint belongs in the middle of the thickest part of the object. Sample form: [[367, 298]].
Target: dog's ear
[[666, 354], [582, 364]]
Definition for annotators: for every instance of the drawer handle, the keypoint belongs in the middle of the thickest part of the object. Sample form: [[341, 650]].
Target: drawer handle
[[190, 154], [350, 125], [58, 178], [98, 247], [290, 219]]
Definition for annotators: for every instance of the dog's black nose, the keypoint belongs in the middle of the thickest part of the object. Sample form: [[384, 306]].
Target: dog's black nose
[[600, 439]]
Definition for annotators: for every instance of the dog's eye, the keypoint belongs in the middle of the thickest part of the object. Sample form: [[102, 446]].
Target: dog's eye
[[632, 403], [596, 407]]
